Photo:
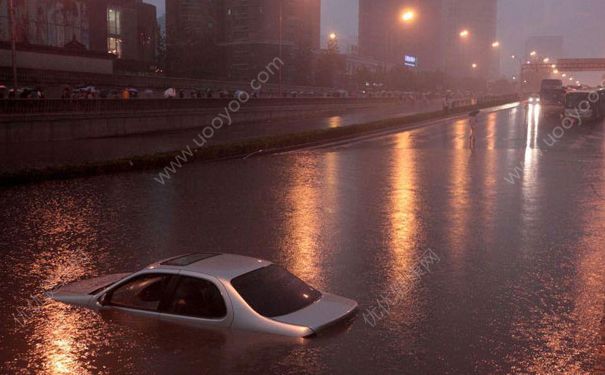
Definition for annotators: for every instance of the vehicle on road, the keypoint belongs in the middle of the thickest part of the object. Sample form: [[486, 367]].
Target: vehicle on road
[[534, 99], [581, 105], [215, 291], [552, 92]]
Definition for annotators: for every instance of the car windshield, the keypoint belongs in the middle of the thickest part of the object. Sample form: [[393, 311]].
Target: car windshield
[[272, 291]]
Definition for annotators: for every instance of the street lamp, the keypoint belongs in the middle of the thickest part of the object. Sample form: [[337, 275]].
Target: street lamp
[[464, 34], [496, 44], [533, 54], [332, 36], [13, 35], [474, 66], [408, 16], [546, 60]]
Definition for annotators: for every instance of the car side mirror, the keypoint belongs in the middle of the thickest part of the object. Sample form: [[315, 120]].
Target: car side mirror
[[103, 300]]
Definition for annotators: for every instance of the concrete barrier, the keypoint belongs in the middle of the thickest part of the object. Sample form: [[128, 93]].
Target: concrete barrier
[[140, 116]]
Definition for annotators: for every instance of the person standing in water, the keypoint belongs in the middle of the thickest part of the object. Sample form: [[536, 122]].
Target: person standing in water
[[472, 122]]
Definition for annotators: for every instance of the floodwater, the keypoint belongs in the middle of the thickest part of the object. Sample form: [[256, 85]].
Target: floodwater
[[519, 285]]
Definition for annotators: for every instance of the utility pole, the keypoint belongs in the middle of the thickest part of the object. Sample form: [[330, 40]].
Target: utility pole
[[13, 31], [281, 23]]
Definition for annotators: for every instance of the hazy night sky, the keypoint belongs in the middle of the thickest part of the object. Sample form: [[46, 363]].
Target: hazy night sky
[[577, 20]]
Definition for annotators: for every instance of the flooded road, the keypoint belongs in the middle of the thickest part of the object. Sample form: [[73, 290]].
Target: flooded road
[[518, 225]]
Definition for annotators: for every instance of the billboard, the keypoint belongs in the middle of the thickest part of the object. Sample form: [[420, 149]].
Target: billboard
[[410, 61]]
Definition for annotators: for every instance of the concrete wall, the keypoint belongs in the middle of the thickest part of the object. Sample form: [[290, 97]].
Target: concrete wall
[[69, 126]]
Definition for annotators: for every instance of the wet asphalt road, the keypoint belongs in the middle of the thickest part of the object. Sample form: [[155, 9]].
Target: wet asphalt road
[[519, 287]]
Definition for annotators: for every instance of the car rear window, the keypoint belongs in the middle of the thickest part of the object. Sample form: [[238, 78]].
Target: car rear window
[[272, 291]]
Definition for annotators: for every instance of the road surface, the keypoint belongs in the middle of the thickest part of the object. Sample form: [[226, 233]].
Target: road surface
[[518, 226]]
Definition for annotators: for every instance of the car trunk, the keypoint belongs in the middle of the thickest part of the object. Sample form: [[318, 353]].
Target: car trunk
[[328, 310]]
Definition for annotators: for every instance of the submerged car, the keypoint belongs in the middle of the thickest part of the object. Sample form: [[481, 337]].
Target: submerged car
[[214, 290]]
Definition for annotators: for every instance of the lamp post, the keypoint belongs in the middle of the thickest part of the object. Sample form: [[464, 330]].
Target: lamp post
[[281, 37], [464, 37], [13, 31], [407, 16]]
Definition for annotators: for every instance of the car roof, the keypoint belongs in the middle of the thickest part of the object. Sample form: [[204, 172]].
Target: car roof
[[219, 265]]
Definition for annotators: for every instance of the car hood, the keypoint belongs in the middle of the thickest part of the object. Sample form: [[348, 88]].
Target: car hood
[[326, 311], [85, 287]]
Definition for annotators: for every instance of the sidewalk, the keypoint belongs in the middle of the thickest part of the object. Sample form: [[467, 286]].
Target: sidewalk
[[20, 156]]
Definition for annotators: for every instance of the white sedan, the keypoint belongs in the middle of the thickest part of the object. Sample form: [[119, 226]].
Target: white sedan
[[214, 290]]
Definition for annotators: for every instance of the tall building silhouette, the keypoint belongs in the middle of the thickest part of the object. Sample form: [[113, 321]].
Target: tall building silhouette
[[236, 39]]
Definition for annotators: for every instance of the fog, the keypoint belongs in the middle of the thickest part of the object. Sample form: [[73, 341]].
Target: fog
[[578, 21]]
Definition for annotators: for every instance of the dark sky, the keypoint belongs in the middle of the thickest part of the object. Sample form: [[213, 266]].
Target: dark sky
[[577, 20]]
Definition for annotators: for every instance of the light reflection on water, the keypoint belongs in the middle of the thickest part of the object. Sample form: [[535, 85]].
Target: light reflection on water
[[377, 206]]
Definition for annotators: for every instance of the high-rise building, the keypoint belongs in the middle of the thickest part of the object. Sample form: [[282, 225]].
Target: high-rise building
[[258, 31], [51, 23], [432, 36], [194, 30], [469, 32], [377, 29], [236, 39], [125, 28], [384, 36]]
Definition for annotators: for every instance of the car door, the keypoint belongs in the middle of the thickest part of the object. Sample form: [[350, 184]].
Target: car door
[[141, 294], [198, 301]]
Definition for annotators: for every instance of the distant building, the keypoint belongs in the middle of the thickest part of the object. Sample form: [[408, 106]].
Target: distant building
[[91, 29], [472, 55], [194, 30], [236, 39], [51, 23], [258, 31], [431, 38], [377, 22], [126, 28]]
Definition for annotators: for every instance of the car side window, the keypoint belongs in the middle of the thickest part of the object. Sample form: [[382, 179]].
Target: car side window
[[143, 293], [197, 298]]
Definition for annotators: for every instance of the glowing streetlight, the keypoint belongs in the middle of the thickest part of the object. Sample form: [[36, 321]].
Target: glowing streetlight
[[554, 66], [546, 60], [474, 66], [556, 71], [514, 57], [533, 54], [465, 34], [408, 16], [564, 75], [332, 36], [495, 44]]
